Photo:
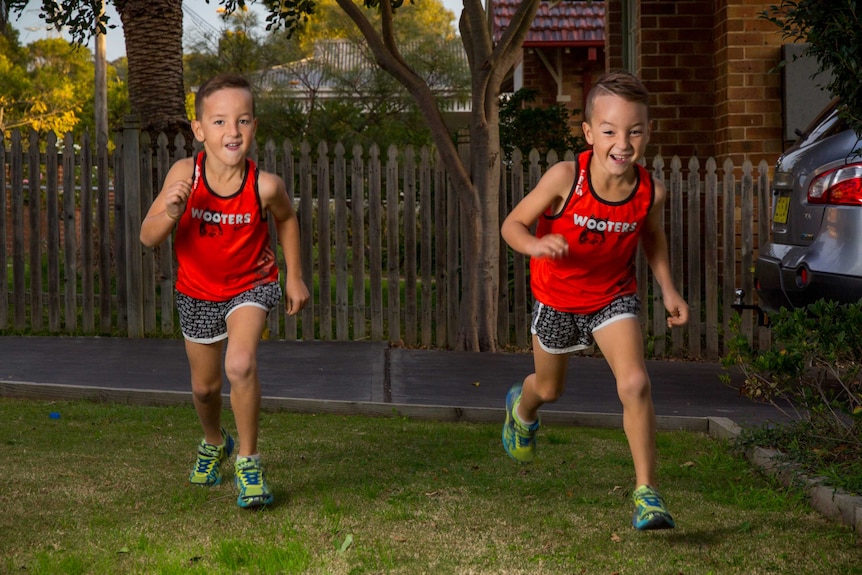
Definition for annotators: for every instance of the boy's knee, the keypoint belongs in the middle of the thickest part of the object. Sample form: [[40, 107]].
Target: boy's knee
[[635, 387], [206, 393], [547, 393], [239, 367]]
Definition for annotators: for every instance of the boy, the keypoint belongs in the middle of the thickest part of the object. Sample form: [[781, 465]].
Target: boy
[[227, 274], [591, 214]]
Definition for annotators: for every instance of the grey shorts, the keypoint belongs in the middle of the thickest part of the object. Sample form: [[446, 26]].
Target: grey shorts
[[561, 332], [203, 321]]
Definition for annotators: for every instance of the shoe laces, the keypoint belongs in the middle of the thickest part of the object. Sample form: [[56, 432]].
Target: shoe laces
[[524, 435], [249, 473], [208, 455], [649, 500]]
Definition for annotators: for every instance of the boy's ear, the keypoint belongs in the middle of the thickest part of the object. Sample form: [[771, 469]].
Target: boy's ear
[[588, 132], [197, 131]]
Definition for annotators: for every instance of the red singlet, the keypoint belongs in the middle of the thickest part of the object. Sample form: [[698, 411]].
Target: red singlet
[[603, 241], [223, 243]]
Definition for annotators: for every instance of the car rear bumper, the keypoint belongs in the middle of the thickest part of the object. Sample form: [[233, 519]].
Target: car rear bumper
[[781, 286]]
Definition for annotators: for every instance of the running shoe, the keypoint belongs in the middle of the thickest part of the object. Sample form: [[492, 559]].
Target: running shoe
[[519, 440], [650, 510], [207, 470], [253, 490]]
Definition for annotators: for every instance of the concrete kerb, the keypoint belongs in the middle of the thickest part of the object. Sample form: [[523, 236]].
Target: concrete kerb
[[834, 504], [60, 392]]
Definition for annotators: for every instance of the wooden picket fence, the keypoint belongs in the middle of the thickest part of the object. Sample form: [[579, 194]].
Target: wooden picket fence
[[380, 243]]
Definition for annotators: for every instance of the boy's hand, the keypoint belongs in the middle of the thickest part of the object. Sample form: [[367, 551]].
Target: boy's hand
[[552, 246], [296, 295], [677, 308], [176, 198]]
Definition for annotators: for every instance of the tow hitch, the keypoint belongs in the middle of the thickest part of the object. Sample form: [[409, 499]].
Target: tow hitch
[[739, 306]]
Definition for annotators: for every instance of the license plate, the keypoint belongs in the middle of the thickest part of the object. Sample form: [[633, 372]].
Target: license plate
[[782, 206]]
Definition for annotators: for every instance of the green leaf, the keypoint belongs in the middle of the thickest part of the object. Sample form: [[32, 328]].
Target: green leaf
[[345, 545]]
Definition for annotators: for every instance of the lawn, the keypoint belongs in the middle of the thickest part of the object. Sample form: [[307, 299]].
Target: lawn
[[103, 489]]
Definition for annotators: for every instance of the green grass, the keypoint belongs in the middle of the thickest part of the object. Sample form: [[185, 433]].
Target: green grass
[[103, 489]]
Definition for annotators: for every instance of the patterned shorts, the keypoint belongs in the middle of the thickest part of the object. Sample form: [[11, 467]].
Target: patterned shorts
[[203, 321], [561, 332]]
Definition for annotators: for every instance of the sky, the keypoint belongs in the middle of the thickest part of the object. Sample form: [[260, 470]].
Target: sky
[[199, 18]]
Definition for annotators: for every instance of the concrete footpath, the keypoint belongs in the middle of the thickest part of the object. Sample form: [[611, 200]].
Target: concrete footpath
[[366, 378]]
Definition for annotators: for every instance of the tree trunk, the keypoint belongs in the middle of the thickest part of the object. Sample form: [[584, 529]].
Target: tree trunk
[[153, 31], [477, 188]]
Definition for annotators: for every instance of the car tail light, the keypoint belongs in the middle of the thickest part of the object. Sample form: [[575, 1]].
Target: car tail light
[[801, 277], [842, 186]]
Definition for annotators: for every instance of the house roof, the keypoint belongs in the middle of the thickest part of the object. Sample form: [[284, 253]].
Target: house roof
[[569, 23]]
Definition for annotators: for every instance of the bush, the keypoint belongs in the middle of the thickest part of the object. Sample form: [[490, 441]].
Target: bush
[[812, 374]]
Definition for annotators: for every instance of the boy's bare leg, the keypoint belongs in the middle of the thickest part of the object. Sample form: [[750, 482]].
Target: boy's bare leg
[[546, 385], [244, 326], [205, 364], [621, 343]]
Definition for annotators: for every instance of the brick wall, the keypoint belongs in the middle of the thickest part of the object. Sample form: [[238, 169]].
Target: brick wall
[[707, 64], [676, 64], [748, 94]]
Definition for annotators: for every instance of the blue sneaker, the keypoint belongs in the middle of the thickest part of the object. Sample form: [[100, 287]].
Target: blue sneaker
[[519, 440], [207, 470], [650, 510], [253, 490]]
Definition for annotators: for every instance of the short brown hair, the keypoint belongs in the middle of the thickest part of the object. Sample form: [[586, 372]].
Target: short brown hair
[[622, 84], [220, 82]]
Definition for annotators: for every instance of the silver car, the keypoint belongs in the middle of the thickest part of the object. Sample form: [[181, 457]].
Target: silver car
[[815, 250]]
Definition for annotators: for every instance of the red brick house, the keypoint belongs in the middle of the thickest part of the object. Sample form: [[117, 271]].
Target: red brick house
[[707, 63], [563, 53]]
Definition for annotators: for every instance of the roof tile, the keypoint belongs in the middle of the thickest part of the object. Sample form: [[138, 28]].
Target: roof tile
[[571, 22]]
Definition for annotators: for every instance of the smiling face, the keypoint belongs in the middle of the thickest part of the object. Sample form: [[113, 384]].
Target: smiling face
[[618, 130], [226, 125]]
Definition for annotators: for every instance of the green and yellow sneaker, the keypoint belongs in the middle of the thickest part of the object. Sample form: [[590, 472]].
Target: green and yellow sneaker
[[207, 470], [253, 491], [519, 440], [650, 510]]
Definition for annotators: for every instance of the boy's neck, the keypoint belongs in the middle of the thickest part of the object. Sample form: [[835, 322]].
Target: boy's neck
[[612, 187]]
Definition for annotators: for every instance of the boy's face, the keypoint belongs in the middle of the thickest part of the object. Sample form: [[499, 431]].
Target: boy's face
[[618, 131], [227, 125]]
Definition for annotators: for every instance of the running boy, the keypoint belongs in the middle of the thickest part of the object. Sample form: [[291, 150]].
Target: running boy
[[591, 213], [227, 275]]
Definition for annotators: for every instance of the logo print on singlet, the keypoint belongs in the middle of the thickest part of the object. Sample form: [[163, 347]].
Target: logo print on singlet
[[594, 229], [579, 187], [211, 221], [592, 234]]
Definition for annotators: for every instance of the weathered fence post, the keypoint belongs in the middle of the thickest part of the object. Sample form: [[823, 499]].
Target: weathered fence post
[[52, 237], [35, 211], [70, 247], [393, 247], [4, 270], [339, 176], [728, 256], [357, 203], [324, 243], [132, 219], [694, 285]]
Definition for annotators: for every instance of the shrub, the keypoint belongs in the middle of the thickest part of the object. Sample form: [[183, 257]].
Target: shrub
[[813, 374]]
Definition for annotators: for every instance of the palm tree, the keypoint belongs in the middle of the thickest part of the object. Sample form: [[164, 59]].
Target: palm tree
[[153, 30]]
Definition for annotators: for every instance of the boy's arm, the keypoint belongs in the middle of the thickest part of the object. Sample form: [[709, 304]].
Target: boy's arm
[[169, 205], [654, 244], [275, 199], [549, 193]]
